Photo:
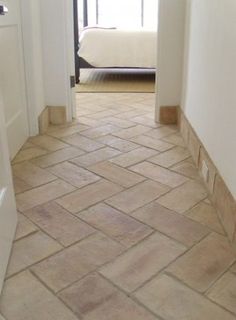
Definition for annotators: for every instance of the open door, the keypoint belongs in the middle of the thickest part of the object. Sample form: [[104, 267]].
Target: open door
[[12, 75], [8, 215]]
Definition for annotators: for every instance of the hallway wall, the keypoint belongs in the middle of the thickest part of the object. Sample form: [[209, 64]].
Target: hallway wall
[[209, 98]]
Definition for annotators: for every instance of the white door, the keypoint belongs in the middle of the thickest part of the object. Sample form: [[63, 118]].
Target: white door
[[8, 215], [12, 77]]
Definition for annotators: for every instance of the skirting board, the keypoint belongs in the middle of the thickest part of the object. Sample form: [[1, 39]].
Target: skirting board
[[219, 193], [51, 115], [169, 115]]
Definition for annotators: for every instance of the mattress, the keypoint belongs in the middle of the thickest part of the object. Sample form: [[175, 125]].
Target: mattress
[[107, 48]]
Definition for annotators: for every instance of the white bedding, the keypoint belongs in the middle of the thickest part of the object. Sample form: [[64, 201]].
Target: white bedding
[[118, 48]]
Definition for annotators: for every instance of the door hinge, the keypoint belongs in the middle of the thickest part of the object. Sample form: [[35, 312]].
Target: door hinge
[[72, 81], [3, 10]]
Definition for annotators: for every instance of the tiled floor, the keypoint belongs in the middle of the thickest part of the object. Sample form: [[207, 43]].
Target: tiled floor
[[114, 223]]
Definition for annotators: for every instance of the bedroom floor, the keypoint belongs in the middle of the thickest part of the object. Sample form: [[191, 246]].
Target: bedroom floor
[[114, 223]]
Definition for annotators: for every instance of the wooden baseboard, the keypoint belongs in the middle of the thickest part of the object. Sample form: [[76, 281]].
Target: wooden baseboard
[[51, 115], [169, 115], [218, 191]]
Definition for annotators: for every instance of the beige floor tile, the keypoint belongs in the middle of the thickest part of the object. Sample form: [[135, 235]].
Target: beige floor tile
[[146, 121], [131, 132], [137, 196], [28, 154], [152, 143], [94, 298], [57, 157], [20, 185], [42, 194], [83, 143], [115, 224], [67, 131], [140, 263], [224, 292], [73, 174], [171, 157], [116, 174], [48, 143], [121, 123], [70, 265], [89, 195], [103, 114], [203, 264], [159, 174], [24, 227], [160, 132], [31, 174], [30, 250], [96, 156], [171, 223], [233, 269], [117, 143], [207, 215], [133, 157], [129, 115], [172, 300], [175, 139], [184, 197], [187, 168], [25, 298], [94, 133], [59, 224]]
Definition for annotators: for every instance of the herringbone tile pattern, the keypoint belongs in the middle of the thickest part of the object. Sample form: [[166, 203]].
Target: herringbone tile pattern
[[114, 223]]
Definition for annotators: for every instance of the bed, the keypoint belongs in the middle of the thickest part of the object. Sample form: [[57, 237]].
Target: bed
[[115, 48]]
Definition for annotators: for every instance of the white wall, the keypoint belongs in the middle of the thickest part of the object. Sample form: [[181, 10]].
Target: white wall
[[170, 52], [209, 100], [32, 45]]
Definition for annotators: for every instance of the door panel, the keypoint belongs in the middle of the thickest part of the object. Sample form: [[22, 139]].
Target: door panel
[[12, 78], [8, 215]]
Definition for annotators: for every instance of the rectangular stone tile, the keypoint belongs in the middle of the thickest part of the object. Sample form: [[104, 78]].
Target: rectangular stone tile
[[187, 168], [48, 143], [160, 132], [57, 157], [184, 197], [31, 174], [134, 156], [224, 292], [95, 298], [73, 263], [20, 185], [140, 263], [121, 123], [207, 215], [175, 139], [83, 143], [170, 157], [116, 174], [73, 174], [67, 131], [171, 223], [137, 196], [117, 143], [96, 156], [129, 115], [94, 133], [204, 263], [29, 153], [59, 224], [152, 143], [89, 195], [171, 300], [25, 298], [103, 114], [146, 121], [24, 227], [30, 250], [43, 194], [115, 224], [131, 132], [159, 174]]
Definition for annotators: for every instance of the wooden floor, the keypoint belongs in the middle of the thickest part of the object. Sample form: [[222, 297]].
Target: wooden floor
[[116, 80]]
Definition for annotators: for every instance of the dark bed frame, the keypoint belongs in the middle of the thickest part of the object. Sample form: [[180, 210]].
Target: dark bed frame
[[80, 63]]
